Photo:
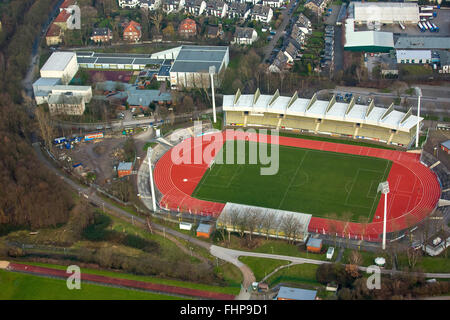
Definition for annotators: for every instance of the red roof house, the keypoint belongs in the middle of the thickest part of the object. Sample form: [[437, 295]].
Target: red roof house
[[132, 31], [187, 28]]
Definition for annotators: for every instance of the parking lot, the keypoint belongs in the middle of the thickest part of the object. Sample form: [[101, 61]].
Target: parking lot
[[442, 20]]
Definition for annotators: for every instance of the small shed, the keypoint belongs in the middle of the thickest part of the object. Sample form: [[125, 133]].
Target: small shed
[[445, 146], [288, 293], [314, 245], [185, 226], [204, 230], [124, 169]]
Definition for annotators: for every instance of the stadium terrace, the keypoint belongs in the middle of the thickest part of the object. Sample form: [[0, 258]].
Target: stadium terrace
[[350, 119]]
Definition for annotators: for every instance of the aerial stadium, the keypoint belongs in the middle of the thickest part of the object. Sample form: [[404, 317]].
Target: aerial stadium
[[328, 187]]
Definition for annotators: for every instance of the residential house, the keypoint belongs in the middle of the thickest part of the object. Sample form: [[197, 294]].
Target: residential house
[[172, 5], [212, 32], [216, 8], [132, 32], [291, 52], [273, 3], [279, 64], [304, 22], [187, 28], [298, 34], [317, 6], [261, 13], [129, 3], [101, 35], [150, 4], [195, 7], [245, 36], [66, 104], [62, 19], [237, 10], [54, 35], [66, 4]]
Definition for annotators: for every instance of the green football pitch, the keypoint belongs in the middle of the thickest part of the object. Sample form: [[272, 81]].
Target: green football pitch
[[324, 184]]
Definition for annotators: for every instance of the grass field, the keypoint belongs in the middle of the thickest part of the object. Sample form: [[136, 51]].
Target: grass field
[[261, 267], [170, 282], [17, 286], [317, 182]]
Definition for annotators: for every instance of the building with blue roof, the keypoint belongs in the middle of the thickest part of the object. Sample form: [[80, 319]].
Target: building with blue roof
[[288, 293]]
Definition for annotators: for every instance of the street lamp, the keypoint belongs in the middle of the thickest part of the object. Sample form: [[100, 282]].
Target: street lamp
[[384, 188], [419, 95], [212, 71]]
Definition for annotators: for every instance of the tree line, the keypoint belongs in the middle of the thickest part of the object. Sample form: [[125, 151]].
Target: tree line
[[31, 196]]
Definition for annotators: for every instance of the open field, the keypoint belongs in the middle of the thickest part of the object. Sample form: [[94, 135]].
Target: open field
[[310, 181], [121, 275], [262, 267], [17, 286]]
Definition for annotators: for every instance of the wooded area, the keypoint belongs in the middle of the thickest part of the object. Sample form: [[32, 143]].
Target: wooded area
[[31, 197]]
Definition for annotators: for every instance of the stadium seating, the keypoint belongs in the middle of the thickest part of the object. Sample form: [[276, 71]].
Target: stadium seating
[[299, 123], [235, 117]]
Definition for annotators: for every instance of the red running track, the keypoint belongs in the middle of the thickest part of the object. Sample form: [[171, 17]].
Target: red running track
[[160, 288], [414, 189]]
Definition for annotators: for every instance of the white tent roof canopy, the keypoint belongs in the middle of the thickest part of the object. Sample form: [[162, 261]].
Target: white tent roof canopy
[[313, 108]]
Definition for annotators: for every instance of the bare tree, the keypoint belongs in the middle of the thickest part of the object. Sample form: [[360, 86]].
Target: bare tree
[[289, 225], [268, 223], [45, 126], [156, 18], [355, 258], [414, 256], [253, 221], [242, 224]]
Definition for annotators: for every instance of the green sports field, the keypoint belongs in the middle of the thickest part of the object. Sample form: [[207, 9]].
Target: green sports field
[[322, 183]]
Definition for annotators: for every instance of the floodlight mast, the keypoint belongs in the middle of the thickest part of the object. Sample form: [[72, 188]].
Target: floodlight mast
[[419, 95], [212, 71], [152, 187], [384, 188]]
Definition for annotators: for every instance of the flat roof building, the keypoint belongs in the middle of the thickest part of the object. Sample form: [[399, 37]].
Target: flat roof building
[[288, 293], [386, 12], [369, 41], [421, 42], [62, 65], [414, 56]]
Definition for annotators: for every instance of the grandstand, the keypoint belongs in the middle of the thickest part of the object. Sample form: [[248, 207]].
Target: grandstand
[[317, 116]]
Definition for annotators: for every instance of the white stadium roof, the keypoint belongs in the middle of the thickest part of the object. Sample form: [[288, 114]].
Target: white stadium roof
[[387, 12], [58, 61], [313, 108]]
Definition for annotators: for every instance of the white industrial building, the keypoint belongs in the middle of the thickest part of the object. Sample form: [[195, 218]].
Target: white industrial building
[[192, 66], [386, 12], [53, 88], [368, 41], [61, 65], [414, 56]]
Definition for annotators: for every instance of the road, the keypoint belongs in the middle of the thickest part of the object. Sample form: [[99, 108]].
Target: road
[[286, 18]]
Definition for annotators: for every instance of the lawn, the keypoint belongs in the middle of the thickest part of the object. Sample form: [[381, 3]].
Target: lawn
[[17, 286], [309, 181], [261, 267], [120, 275], [300, 274]]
